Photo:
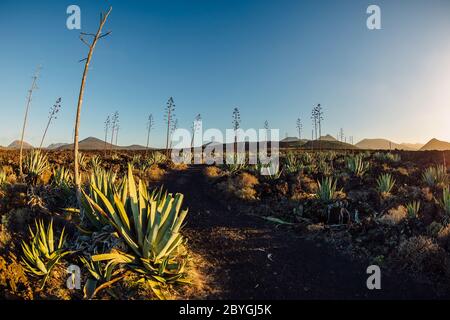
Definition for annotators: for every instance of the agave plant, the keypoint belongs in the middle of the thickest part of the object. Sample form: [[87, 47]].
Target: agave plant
[[42, 254], [387, 157], [270, 171], [150, 224], [357, 166], [306, 158], [82, 161], [235, 163], [445, 203], [36, 163], [435, 176], [292, 163], [326, 191], [136, 160], [412, 209], [385, 183], [156, 158], [96, 162], [105, 182], [324, 167], [62, 178], [100, 273], [2, 178]]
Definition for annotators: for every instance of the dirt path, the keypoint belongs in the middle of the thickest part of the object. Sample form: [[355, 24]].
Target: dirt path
[[250, 258]]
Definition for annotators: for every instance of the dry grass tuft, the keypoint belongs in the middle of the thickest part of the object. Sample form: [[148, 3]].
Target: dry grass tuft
[[394, 216], [242, 186], [13, 279], [213, 172], [155, 173], [421, 254]]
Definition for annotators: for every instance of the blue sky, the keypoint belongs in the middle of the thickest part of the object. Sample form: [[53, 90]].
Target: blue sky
[[272, 59]]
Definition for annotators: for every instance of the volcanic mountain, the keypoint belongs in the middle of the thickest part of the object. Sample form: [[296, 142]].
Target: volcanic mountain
[[328, 145], [55, 146], [93, 143], [328, 137], [435, 144], [16, 145], [383, 144], [290, 142]]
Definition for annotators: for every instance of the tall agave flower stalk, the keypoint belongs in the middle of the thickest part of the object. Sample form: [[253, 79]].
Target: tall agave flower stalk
[[96, 37], [169, 115], [30, 94], [53, 113], [107, 125]]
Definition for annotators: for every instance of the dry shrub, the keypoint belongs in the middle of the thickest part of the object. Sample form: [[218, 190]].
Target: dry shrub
[[245, 183], [56, 287], [10, 175], [212, 172], [13, 279], [309, 185], [5, 236], [402, 171], [422, 254], [443, 236], [155, 173], [45, 177], [394, 216], [179, 166], [242, 186]]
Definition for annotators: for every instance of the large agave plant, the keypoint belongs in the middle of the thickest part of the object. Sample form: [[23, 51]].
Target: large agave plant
[[326, 191], [385, 183], [105, 182], [435, 176], [36, 163], [150, 224], [357, 166], [42, 254], [62, 178]]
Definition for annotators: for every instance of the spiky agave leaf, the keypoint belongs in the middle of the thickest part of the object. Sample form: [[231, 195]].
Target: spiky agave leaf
[[41, 254], [149, 223]]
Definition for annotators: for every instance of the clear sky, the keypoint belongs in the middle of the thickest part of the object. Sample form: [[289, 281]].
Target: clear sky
[[274, 59]]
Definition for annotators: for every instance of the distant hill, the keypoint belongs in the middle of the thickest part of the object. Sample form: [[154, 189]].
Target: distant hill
[[382, 144], [291, 142], [325, 144], [435, 144], [412, 146], [290, 139], [93, 143], [54, 146], [16, 145], [328, 137]]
